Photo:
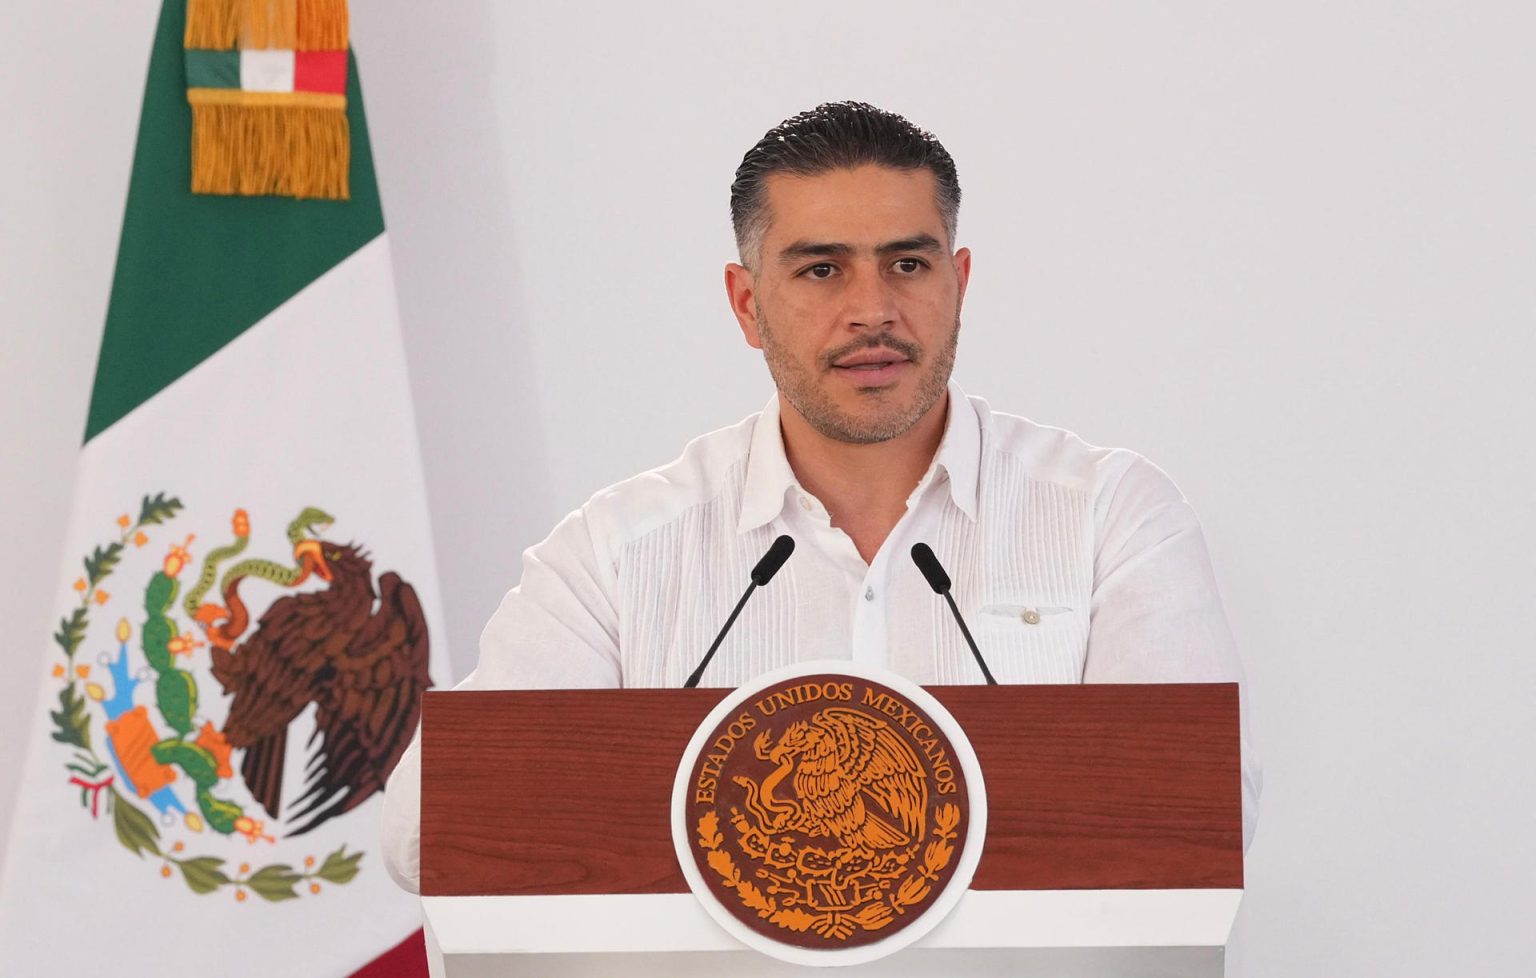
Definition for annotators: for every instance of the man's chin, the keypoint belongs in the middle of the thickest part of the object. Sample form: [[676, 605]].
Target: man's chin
[[866, 424], [859, 415]]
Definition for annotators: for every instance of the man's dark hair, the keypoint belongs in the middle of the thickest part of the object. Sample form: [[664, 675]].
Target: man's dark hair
[[833, 136]]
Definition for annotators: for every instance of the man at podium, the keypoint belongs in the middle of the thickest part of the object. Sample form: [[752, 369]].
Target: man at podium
[[1071, 563]]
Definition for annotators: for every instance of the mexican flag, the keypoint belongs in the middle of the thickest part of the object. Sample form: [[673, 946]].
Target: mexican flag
[[247, 612]]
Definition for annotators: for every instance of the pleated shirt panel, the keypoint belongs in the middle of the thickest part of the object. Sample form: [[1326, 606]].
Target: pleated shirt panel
[[1007, 506]]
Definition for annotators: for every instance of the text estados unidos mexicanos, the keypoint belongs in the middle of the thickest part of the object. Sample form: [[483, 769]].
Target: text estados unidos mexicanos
[[903, 715]]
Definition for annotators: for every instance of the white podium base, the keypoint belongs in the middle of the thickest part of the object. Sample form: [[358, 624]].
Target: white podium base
[[1056, 933]]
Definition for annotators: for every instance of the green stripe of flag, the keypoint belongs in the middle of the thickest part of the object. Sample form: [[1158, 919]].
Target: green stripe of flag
[[194, 272], [213, 69]]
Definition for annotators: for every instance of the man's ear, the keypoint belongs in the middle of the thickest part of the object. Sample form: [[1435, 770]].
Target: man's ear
[[740, 290], [962, 260]]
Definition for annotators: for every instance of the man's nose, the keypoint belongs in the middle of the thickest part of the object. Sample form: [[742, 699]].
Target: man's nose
[[869, 300]]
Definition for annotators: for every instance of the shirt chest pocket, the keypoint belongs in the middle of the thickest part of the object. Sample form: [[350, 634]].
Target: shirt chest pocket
[[1027, 641]]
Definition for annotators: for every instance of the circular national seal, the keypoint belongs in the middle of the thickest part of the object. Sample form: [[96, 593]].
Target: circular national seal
[[829, 813]]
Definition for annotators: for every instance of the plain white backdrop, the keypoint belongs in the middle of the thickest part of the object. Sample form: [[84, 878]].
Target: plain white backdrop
[[1286, 251]]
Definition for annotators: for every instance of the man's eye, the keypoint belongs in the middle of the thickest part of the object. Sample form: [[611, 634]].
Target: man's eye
[[820, 270], [908, 265]]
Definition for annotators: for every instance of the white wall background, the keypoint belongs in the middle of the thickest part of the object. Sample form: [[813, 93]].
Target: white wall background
[[1288, 252]]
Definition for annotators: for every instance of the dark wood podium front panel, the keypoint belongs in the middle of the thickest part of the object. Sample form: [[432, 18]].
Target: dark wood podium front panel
[[1088, 787]]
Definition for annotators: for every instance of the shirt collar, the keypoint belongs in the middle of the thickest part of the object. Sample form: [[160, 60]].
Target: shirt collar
[[768, 473], [769, 476], [959, 453]]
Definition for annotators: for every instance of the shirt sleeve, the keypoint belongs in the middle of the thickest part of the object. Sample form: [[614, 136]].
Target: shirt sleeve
[[558, 629], [1156, 613]]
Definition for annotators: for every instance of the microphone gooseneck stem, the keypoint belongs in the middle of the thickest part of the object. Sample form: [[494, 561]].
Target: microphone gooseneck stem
[[693, 680], [970, 641], [933, 573]]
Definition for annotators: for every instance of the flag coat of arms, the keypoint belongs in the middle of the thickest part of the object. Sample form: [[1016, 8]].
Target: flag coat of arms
[[247, 613]]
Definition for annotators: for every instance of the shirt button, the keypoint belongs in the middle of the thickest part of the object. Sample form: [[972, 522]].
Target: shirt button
[[1031, 617], [805, 504], [869, 594]]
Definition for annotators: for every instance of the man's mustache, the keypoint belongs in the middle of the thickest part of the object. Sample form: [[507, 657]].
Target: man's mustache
[[910, 351]]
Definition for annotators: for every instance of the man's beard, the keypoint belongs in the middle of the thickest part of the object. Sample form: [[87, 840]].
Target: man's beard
[[799, 386]]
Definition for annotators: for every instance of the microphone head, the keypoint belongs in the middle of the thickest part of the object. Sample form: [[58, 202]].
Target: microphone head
[[773, 560], [922, 556]]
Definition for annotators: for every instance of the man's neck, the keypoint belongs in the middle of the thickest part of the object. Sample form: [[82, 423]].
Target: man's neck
[[863, 487]]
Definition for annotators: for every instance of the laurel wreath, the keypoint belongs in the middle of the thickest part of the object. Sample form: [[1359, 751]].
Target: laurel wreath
[[720, 861], [872, 916], [137, 832], [914, 889]]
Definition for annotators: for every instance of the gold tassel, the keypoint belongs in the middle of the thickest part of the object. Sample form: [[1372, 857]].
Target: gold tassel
[[212, 24], [258, 147], [269, 24], [322, 25], [304, 25]]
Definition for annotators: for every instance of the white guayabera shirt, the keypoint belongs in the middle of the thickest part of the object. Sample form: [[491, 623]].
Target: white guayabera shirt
[[1071, 564]]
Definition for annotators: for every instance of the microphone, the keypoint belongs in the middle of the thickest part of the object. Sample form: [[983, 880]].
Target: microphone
[[761, 574], [772, 561], [933, 571]]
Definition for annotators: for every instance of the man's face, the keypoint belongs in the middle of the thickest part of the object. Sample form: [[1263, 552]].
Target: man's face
[[855, 300]]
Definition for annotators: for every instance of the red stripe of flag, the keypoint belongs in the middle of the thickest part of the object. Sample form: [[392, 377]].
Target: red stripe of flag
[[320, 71], [408, 959]]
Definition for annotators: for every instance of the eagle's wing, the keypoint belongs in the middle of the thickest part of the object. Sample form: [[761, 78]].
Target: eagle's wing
[[885, 767], [857, 755], [368, 711], [272, 676], [894, 777]]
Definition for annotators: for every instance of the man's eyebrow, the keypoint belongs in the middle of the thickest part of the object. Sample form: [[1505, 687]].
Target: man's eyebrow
[[800, 250], [814, 249], [918, 242]]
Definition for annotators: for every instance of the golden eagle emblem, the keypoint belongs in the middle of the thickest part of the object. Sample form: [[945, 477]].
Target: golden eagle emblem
[[853, 779], [839, 828]]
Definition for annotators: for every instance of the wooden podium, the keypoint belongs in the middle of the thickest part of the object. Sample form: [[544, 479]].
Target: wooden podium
[[1113, 846]]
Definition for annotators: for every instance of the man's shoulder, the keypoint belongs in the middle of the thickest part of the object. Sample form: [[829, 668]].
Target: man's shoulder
[[1044, 453], [710, 470]]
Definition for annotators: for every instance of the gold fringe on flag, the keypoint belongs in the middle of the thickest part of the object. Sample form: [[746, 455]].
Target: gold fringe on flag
[[212, 25], [269, 143], [269, 24], [323, 25], [304, 25]]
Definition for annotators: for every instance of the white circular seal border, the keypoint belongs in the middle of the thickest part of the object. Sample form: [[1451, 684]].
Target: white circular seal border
[[954, 889]]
